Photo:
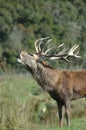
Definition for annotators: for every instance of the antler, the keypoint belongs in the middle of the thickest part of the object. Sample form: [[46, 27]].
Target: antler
[[53, 53], [39, 44], [72, 50]]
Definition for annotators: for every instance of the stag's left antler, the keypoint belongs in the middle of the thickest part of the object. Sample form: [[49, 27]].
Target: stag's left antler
[[53, 53], [40, 44]]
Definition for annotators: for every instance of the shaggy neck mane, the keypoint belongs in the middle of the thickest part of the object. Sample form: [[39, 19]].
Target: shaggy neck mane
[[43, 75]]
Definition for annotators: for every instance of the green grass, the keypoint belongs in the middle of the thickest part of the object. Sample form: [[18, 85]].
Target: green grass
[[22, 102], [76, 124]]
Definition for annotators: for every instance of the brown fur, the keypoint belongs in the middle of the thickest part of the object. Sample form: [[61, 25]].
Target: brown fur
[[62, 85], [67, 86]]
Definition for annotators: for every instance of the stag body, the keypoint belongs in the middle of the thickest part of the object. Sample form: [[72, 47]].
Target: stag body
[[63, 86]]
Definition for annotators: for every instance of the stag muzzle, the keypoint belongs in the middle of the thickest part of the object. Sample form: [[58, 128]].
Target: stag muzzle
[[21, 55]]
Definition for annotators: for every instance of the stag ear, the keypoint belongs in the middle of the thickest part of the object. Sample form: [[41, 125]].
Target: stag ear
[[42, 59], [39, 60]]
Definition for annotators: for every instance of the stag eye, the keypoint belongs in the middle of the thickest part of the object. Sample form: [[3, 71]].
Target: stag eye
[[30, 54]]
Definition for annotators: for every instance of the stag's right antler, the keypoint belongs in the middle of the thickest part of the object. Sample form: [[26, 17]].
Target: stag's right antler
[[53, 53]]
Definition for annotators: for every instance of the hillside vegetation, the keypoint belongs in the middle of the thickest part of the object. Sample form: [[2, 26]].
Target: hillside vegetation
[[23, 21]]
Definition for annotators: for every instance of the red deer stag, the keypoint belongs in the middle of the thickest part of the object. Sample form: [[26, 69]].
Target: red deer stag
[[62, 85]]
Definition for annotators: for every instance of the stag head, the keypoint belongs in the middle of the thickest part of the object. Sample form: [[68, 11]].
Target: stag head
[[52, 53]]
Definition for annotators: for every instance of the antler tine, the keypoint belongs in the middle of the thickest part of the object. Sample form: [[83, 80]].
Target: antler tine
[[49, 50], [60, 45], [76, 55], [38, 44], [67, 60], [61, 55], [74, 47], [56, 55], [63, 52], [48, 41], [71, 51], [46, 44]]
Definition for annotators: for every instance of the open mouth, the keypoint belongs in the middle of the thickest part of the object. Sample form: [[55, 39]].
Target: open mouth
[[20, 61]]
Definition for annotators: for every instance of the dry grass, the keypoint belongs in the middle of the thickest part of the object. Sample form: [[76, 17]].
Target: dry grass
[[22, 107]]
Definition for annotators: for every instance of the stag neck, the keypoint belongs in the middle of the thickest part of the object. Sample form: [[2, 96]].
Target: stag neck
[[46, 77], [32, 68]]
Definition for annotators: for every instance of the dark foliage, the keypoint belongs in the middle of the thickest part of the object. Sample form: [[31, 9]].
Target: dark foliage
[[23, 21]]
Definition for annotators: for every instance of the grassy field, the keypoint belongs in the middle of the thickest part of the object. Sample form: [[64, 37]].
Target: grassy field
[[25, 106]]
